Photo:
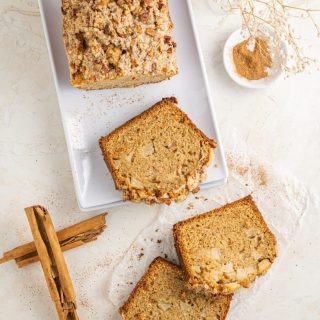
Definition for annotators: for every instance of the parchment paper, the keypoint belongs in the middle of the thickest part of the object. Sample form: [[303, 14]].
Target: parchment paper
[[279, 196]]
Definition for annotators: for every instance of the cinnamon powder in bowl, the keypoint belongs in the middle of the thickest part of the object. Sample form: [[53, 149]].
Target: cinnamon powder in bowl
[[250, 61], [252, 58]]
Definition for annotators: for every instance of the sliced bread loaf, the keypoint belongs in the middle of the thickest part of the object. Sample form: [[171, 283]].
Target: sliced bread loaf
[[226, 248], [158, 156], [162, 294]]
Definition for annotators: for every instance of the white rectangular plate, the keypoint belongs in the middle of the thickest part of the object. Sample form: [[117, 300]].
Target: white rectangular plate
[[88, 115]]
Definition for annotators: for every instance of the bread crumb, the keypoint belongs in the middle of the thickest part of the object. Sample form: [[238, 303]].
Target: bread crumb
[[104, 263], [83, 302], [190, 206]]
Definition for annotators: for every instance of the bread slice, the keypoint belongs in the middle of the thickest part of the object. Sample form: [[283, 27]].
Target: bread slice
[[162, 294], [225, 249], [158, 156], [118, 43]]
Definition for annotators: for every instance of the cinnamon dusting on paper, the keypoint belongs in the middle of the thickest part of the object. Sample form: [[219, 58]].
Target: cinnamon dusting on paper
[[233, 166], [259, 174], [262, 176]]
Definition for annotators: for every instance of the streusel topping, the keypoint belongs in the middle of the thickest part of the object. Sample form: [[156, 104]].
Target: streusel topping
[[108, 39]]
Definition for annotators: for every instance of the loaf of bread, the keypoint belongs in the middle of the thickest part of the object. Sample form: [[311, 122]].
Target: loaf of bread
[[162, 294], [159, 156], [118, 43], [225, 249]]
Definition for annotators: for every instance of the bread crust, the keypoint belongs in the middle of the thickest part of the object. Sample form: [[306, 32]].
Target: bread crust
[[91, 85], [202, 287], [103, 141]]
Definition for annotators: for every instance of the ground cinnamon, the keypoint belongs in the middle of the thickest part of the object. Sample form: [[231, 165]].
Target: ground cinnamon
[[252, 64]]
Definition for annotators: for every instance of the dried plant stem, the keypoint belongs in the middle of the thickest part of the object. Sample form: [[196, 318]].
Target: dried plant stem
[[276, 15]]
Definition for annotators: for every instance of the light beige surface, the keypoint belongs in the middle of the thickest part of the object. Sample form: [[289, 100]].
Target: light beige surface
[[281, 123]]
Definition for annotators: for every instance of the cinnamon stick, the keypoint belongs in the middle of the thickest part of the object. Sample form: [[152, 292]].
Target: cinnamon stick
[[69, 238], [52, 262]]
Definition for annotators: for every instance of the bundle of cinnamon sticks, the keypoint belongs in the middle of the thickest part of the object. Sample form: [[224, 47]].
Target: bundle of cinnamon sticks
[[48, 247], [69, 238]]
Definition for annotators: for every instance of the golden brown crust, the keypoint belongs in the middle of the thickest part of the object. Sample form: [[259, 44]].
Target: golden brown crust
[[129, 83], [177, 228], [224, 316], [179, 251], [103, 142], [108, 163]]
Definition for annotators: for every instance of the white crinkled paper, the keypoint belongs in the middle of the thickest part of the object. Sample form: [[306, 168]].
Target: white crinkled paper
[[281, 199]]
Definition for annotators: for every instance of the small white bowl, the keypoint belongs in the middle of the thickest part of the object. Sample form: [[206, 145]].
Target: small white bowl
[[274, 72]]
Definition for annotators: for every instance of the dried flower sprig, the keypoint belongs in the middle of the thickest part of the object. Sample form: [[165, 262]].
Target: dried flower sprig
[[272, 20]]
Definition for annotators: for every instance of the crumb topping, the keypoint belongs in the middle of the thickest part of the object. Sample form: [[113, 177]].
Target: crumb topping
[[108, 39]]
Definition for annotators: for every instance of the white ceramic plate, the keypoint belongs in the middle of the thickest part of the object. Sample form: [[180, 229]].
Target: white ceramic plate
[[88, 115]]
